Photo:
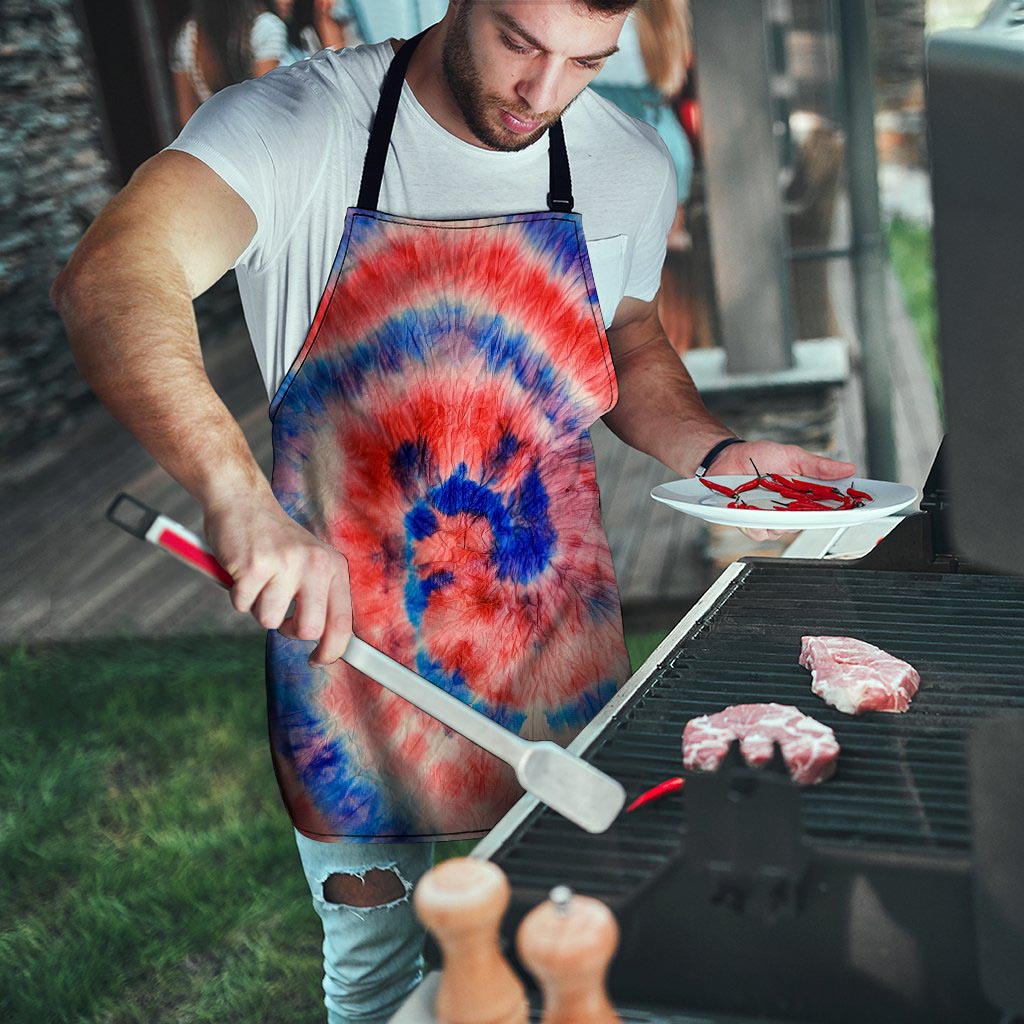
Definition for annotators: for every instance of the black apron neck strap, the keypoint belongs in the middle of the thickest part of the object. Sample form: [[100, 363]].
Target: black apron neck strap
[[383, 123], [559, 197]]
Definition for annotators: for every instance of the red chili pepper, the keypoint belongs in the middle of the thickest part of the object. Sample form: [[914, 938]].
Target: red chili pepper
[[749, 485], [806, 505], [656, 793], [720, 488], [808, 487], [773, 485], [789, 492], [740, 503], [863, 495], [793, 485]]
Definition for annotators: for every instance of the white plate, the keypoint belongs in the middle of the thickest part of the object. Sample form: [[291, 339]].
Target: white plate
[[693, 498]]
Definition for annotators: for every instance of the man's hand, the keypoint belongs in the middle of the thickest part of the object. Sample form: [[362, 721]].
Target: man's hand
[[275, 562], [771, 457]]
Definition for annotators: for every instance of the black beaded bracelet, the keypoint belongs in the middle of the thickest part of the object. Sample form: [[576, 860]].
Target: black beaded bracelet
[[705, 463]]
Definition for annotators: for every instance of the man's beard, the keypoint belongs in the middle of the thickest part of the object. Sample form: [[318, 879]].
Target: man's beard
[[464, 83]]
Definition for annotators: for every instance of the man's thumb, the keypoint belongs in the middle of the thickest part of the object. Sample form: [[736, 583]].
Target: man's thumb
[[827, 469]]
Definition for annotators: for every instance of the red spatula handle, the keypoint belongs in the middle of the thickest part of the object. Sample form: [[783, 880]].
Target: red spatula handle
[[147, 524]]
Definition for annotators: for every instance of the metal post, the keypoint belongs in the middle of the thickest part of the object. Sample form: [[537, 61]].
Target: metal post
[[868, 239], [748, 236], [154, 65]]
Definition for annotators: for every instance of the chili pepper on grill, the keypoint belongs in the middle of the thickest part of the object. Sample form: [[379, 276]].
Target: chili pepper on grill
[[720, 488], [656, 793]]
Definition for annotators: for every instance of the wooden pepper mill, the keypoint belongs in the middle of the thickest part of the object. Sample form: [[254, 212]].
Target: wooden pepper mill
[[462, 902], [567, 943]]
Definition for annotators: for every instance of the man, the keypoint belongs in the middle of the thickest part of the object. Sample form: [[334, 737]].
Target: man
[[431, 388]]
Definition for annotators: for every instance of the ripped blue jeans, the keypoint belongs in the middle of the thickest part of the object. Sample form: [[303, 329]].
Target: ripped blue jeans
[[372, 954]]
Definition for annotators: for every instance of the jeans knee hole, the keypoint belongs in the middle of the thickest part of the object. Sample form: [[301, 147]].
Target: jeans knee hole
[[375, 888]]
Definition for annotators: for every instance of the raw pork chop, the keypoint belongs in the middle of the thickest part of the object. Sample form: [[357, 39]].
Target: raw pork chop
[[855, 677], [809, 748]]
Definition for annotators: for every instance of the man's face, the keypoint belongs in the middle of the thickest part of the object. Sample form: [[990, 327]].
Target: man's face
[[513, 66]]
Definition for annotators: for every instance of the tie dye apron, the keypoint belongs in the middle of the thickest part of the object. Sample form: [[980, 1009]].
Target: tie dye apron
[[434, 429]]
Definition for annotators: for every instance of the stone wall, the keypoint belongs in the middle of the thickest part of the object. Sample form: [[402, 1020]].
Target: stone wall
[[54, 178]]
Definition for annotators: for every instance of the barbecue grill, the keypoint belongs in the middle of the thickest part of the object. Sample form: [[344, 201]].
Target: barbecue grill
[[894, 892], [746, 896]]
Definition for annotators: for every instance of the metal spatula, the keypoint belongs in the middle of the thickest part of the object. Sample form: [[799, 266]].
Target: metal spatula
[[564, 782]]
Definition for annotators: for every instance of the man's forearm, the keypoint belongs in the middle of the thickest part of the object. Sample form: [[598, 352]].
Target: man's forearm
[[133, 333], [660, 411]]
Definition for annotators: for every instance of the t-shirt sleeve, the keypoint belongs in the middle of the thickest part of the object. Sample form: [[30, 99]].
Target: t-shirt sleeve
[[269, 38], [651, 240], [268, 139]]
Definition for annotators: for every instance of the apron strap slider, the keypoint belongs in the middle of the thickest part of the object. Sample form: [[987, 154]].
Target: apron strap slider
[[560, 204]]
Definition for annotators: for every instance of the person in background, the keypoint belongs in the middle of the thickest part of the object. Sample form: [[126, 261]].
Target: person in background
[[314, 25], [221, 43], [648, 73]]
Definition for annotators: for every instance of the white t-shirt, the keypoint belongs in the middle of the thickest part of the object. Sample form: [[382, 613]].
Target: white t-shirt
[[292, 144]]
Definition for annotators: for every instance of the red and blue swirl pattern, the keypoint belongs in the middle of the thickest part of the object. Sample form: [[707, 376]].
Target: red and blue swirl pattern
[[434, 430]]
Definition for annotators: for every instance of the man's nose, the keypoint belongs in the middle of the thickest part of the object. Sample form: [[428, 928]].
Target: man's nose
[[539, 90]]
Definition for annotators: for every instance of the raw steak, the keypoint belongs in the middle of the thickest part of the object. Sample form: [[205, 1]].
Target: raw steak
[[809, 748], [855, 677]]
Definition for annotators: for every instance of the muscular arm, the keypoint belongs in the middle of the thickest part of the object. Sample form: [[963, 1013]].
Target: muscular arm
[[126, 300], [660, 411]]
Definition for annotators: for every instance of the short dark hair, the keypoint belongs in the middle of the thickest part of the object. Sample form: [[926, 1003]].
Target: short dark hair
[[609, 6]]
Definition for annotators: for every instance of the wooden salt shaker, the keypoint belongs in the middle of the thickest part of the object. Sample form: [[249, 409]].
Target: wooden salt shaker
[[567, 943], [462, 901]]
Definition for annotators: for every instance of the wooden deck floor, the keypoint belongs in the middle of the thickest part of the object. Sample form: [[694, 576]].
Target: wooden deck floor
[[73, 575], [70, 574]]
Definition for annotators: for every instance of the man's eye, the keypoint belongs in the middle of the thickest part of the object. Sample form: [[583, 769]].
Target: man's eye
[[514, 47], [590, 65]]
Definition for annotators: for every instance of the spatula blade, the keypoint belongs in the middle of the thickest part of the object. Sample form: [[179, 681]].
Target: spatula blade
[[567, 784]]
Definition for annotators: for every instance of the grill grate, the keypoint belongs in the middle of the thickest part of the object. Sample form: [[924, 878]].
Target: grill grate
[[902, 779]]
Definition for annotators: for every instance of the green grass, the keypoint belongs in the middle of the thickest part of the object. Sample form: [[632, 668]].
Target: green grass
[[910, 246], [147, 868]]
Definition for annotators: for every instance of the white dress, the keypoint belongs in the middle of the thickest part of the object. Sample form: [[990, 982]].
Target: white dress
[[268, 40]]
